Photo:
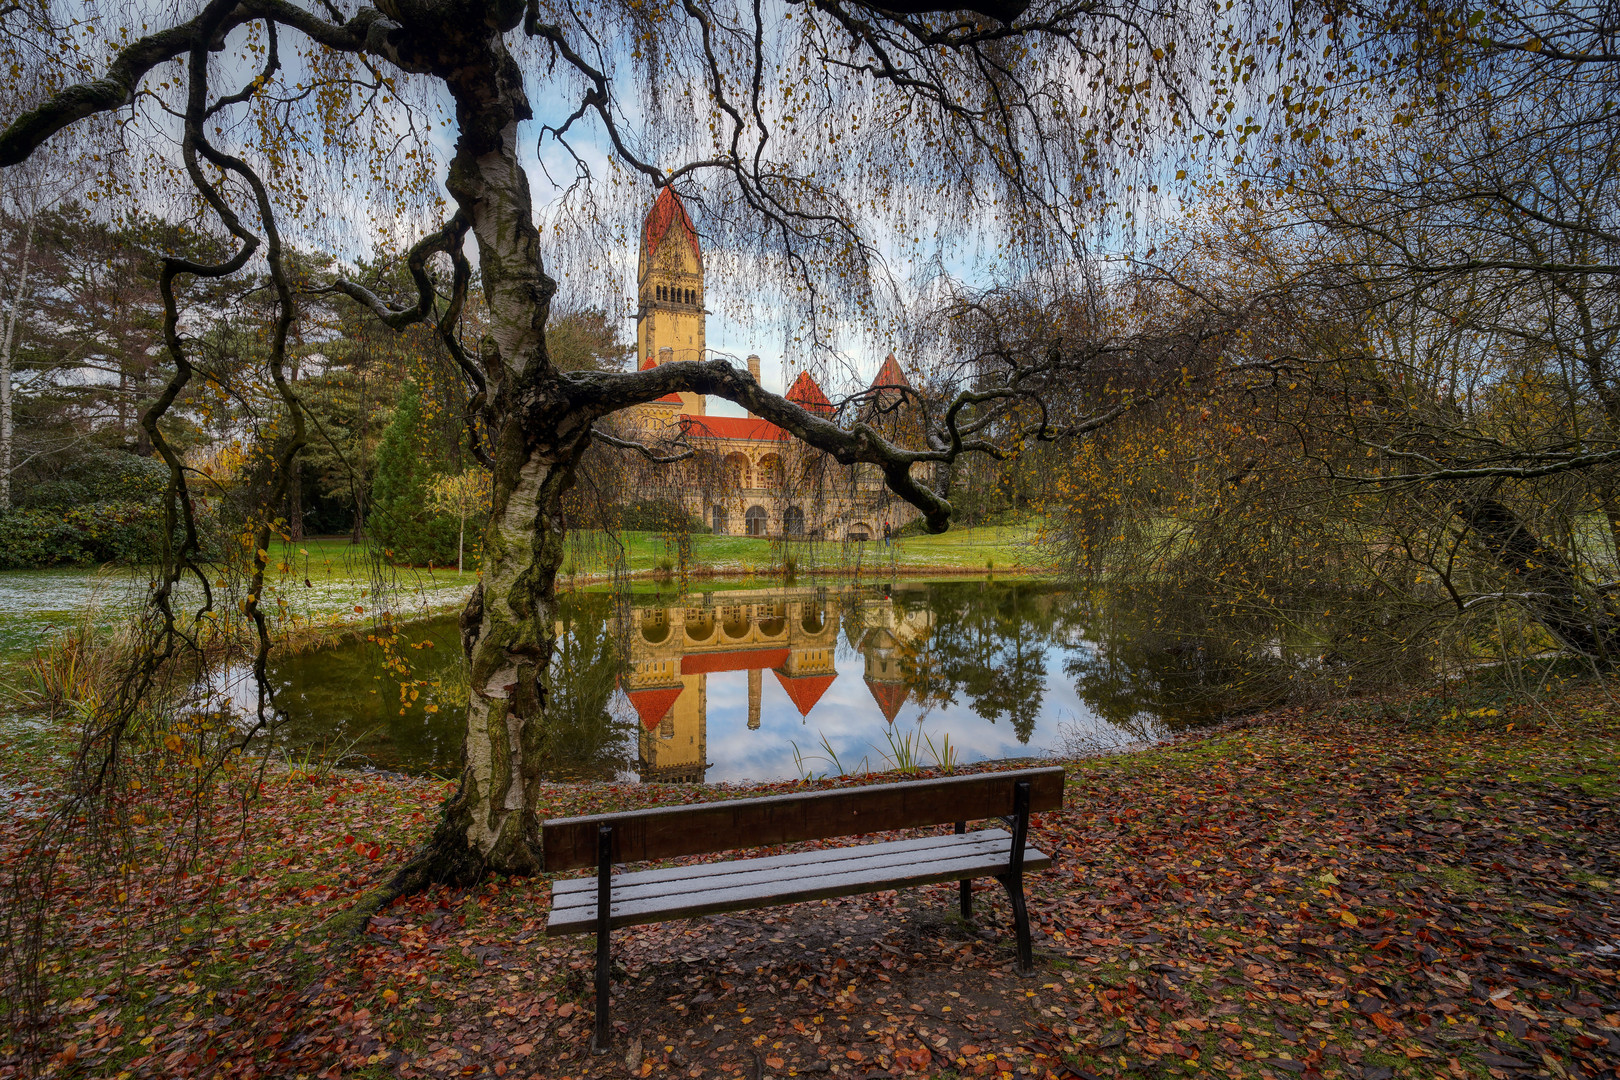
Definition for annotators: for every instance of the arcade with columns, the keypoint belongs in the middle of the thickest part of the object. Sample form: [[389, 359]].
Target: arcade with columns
[[793, 633]]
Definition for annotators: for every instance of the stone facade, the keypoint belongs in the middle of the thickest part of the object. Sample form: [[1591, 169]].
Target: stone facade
[[749, 476]]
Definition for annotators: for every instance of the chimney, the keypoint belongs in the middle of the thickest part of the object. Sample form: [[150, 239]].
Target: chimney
[[666, 354], [753, 369]]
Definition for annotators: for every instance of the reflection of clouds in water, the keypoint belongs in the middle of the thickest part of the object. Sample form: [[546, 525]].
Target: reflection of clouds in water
[[850, 720], [949, 655]]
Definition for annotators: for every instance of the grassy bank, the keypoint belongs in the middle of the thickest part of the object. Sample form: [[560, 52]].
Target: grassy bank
[[977, 549], [960, 549], [1333, 894]]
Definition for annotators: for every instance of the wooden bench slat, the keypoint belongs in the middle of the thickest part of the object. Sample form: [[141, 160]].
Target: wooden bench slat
[[676, 831], [741, 896], [563, 893], [738, 885]]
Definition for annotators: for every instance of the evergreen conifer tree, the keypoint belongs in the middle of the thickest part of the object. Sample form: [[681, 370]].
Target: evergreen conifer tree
[[403, 520]]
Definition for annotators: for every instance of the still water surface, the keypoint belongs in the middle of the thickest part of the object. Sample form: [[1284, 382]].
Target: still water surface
[[742, 684]]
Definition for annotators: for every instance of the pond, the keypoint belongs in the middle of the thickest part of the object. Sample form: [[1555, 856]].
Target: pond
[[748, 683]]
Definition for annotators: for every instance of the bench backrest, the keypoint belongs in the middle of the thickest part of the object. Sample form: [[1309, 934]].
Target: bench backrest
[[673, 831]]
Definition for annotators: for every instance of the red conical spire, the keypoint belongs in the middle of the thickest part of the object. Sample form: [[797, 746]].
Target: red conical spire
[[889, 697], [890, 375], [667, 210], [806, 394], [654, 703], [805, 690]]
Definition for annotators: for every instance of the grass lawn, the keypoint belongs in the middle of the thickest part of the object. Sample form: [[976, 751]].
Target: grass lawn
[[1340, 893], [325, 578], [986, 548]]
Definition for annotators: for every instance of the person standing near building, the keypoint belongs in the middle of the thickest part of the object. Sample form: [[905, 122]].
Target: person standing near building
[[887, 534]]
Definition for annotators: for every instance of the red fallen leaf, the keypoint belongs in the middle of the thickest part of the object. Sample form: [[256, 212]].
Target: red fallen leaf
[[566, 1010], [1385, 1024], [854, 1055], [776, 1062]]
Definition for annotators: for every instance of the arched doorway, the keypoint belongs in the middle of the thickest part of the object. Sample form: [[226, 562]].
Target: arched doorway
[[858, 531], [755, 519], [719, 520], [793, 521]]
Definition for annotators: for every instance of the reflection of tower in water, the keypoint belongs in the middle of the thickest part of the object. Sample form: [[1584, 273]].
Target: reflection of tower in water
[[891, 637], [675, 648]]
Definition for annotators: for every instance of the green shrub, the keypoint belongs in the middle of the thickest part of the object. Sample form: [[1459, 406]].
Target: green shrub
[[112, 531], [96, 476]]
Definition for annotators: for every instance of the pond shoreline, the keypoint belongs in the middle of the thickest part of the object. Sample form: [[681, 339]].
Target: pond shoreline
[[319, 635]]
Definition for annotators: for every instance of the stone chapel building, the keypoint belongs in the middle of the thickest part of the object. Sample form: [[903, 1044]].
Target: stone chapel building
[[757, 479]]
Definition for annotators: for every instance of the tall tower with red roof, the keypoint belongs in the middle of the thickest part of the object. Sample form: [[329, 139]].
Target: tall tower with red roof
[[670, 296]]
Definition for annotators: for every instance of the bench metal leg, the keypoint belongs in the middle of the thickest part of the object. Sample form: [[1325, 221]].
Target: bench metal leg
[[1013, 879], [604, 936], [1014, 884], [965, 886]]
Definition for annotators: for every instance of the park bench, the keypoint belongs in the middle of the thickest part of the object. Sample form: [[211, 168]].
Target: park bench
[[606, 901]]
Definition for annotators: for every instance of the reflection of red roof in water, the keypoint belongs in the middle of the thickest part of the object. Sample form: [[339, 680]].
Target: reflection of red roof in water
[[733, 427], [666, 210], [805, 690], [806, 394], [746, 660], [889, 696], [654, 703]]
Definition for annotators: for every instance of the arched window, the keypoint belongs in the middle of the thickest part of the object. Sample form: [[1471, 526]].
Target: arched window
[[736, 471], [793, 521], [756, 520], [691, 297], [769, 471]]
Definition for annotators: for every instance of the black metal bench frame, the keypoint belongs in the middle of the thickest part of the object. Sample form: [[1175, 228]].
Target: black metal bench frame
[[672, 832]]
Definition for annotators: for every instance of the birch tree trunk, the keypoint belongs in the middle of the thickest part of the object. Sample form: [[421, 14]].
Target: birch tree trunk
[[18, 299], [491, 824]]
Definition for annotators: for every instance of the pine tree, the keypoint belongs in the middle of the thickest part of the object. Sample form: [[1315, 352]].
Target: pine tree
[[403, 519]]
